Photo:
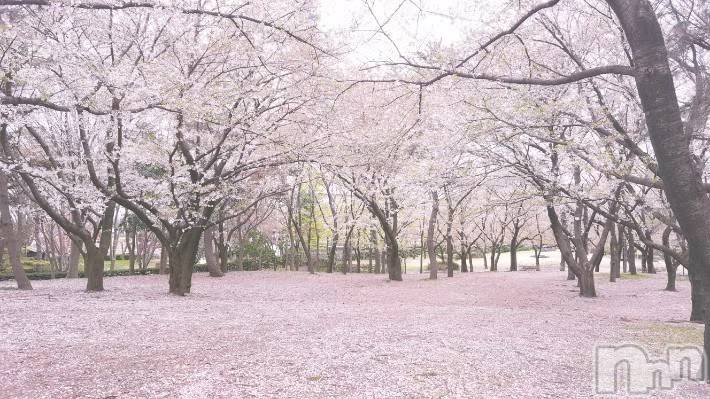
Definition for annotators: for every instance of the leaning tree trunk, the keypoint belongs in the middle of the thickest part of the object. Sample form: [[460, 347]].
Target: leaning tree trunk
[[682, 180], [183, 254]]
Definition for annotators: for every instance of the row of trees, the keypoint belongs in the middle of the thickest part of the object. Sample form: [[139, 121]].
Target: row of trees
[[587, 118]]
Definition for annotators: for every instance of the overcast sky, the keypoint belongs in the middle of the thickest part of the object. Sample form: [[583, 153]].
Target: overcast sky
[[411, 24]]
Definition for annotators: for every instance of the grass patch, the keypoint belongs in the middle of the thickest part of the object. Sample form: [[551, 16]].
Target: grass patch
[[656, 336], [624, 276]]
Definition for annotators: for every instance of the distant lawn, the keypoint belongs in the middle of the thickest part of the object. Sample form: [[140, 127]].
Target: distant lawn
[[41, 265], [624, 276]]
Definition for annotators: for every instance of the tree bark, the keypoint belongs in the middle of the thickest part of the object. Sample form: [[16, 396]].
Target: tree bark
[[94, 265], [431, 239], [11, 235], [671, 265], [682, 180], [183, 254], [210, 256], [74, 257], [614, 261]]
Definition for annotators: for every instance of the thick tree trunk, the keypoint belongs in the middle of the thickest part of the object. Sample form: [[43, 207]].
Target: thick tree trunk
[[394, 264], [586, 284], [183, 254], [697, 297], [94, 266], [682, 180]]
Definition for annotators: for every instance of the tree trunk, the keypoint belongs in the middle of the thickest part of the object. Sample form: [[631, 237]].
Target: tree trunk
[[631, 252], [683, 182], [614, 261], [449, 253], [183, 254], [514, 253], [464, 255], [586, 284], [430, 239], [376, 250], [697, 296], [164, 260], [74, 257], [11, 236], [94, 265], [210, 256], [650, 268], [671, 265], [394, 264]]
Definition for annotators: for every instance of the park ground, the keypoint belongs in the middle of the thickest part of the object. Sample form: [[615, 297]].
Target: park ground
[[295, 335]]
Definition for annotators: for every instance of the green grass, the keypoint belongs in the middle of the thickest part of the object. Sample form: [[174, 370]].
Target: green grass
[[656, 336], [31, 265]]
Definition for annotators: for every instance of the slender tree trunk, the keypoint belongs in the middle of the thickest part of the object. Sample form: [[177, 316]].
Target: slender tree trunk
[[11, 236], [376, 249], [74, 257], [464, 255], [431, 239], [621, 249], [650, 268], [631, 252], [164, 260], [514, 253], [671, 265], [614, 262], [210, 256], [449, 253]]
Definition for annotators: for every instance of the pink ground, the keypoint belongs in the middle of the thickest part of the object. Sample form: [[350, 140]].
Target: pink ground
[[292, 335]]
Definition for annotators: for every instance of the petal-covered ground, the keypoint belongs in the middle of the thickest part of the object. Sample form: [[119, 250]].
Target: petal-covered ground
[[294, 335]]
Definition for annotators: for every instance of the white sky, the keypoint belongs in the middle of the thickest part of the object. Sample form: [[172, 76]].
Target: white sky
[[411, 24]]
